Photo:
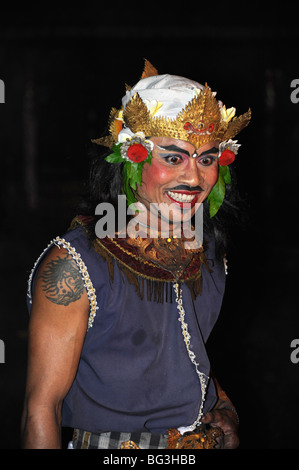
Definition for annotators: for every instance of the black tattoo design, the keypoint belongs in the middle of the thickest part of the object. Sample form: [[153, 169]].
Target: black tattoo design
[[62, 281]]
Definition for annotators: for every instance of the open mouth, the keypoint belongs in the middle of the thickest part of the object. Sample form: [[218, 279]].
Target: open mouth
[[182, 197]]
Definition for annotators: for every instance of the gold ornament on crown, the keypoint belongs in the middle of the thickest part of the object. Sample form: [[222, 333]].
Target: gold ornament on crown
[[201, 121]]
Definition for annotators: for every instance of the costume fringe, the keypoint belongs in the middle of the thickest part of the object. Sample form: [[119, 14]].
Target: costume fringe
[[155, 289]]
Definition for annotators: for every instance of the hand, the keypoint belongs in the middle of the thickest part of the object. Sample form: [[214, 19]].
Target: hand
[[225, 419]]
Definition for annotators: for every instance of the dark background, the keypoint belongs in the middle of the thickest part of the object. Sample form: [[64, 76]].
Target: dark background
[[63, 69]]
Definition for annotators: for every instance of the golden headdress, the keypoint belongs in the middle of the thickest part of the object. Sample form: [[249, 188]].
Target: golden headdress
[[200, 120]]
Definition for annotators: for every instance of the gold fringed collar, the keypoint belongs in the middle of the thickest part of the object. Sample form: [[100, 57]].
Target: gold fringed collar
[[151, 265]]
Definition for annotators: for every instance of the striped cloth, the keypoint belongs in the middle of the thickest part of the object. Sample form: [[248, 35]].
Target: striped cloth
[[113, 440]]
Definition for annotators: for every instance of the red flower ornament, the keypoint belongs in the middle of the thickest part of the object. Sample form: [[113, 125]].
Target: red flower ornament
[[227, 157], [137, 153]]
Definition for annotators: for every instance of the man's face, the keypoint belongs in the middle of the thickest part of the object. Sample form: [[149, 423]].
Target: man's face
[[177, 178]]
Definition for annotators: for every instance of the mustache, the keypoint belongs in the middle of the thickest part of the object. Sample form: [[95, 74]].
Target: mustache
[[183, 187]]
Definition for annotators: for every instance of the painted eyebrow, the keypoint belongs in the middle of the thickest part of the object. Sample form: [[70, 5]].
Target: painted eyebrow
[[206, 152], [174, 148]]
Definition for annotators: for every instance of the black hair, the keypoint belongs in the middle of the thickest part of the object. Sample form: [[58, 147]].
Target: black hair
[[105, 185]]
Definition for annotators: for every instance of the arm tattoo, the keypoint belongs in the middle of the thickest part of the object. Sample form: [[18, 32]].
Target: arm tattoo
[[61, 280]]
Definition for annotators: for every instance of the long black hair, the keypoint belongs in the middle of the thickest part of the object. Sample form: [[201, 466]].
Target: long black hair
[[104, 184]]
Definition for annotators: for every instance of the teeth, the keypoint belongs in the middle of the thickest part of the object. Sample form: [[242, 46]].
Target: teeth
[[181, 197]]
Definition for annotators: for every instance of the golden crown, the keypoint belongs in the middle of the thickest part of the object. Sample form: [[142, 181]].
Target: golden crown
[[201, 121]]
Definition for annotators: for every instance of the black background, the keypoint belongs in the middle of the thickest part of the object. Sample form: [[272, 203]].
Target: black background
[[63, 69]]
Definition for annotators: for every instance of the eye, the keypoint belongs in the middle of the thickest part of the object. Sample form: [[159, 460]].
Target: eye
[[207, 161], [173, 159]]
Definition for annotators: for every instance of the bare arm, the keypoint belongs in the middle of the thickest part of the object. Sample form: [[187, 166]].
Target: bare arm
[[57, 329]]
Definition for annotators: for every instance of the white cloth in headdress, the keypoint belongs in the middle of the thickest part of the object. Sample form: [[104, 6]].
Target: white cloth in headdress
[[172, 91]]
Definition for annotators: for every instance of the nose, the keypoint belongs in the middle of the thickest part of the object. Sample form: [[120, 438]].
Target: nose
[[192, 175]]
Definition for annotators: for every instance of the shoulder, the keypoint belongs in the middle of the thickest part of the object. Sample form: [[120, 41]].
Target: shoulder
[[59, 277]]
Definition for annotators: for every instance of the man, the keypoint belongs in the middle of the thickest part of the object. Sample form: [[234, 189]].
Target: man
[[119, 323]]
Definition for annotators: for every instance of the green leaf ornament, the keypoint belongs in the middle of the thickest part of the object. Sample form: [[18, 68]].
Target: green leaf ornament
[[216, 196], [131, 172], [115, 157]]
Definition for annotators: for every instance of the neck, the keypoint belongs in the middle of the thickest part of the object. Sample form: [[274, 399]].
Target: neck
[[157, 228]]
